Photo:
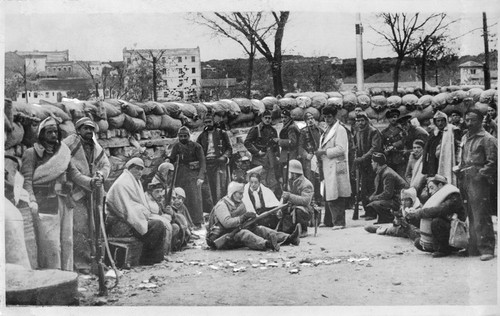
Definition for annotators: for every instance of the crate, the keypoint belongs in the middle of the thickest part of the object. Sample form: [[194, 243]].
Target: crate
[[126, 252]]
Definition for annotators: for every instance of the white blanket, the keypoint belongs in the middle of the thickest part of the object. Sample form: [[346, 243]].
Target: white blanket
[[126, 199], [270, 199]]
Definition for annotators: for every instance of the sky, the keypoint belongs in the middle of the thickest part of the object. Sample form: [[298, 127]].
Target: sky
[[100, 32]]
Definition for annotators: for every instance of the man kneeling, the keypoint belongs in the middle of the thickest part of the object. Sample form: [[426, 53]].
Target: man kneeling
[[229, 213]]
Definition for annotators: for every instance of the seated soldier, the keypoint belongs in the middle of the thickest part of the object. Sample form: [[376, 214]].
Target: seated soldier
[[445, 201], [401, 227], [229, 213], [259, 199], [299, 196], [182, 216], [130, 216], [155, 197]]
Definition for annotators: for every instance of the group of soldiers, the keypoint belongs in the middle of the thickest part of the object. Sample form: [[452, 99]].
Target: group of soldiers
[[288, 175]]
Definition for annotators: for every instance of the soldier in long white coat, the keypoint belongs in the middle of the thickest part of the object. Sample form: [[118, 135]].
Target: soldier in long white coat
[[332, 154]]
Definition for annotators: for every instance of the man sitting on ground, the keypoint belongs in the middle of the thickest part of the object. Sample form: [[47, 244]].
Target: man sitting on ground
[[445, 200], [258, 198], [229, 213], [130, 216]]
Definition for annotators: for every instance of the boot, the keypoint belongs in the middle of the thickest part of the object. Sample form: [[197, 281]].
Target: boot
[[294, 238], [272, 243]]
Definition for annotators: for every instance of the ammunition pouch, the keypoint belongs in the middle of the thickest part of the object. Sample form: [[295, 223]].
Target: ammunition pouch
[[195, 165]]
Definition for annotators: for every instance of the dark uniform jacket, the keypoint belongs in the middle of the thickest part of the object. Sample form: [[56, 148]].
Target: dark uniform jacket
[[222, 144], [368, 141], [393, 136], [289, 141], [260, 138], [191, 156], [309, 140], [388, 185], [445, 210]]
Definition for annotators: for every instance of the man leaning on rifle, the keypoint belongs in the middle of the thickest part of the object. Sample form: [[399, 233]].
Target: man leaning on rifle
[[230, 213]]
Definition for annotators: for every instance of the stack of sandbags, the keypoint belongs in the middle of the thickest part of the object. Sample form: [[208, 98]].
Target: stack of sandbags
[[475, 94], [350, 101], [379, 103], [424, 101], [315, 112], [318, 101], [297, 114], [335, 101], [439, 101], [39, 111], [241, 119], [258, 106], [394, 101], [487, 96], [269, 102], [456, 97], [215, 108], [233, 110], [201, 110], [188, 110], [364, 101]]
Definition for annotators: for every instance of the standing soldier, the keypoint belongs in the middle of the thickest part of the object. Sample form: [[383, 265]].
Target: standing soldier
[[392, 142], [368, 140], [89, 158], [260, 143], [288, 141], [410, 134], [217, 149], [192, 168], [477, 170], [308, 144], [46, 168]]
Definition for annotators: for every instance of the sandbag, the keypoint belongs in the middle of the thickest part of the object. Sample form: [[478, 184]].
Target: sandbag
[[169, 124], [401, 91], [409, 90], [215, 107], [102, 126], [374, 114], [376, 91], [171, 109], [201, 110], [133, 110], [152, 107], [364, 101], [487, 96], [334, 94], [461, 107], [303, 102], [116, 121], [410, 101], [258, 106], [432, 90], [111, 109], [394, 101], [335, 101], [453, 88], [379, 103], [90, 107], [319, 101], [31, 110], [244, 104], [292, 95], [15, 136], [242, 118], [133, 124], [31, 135], [424, 101], [287, 103], [313, 94], [193, 124], [424, 114], [75, 109], [55, 111], [234, 109], [67, 128], [439, 101], [269, 102], [315, 112], [483, 107], [350, 101], [297, 114], [188, 110], [8, 111], [153, 121], [403, 110], [456, 97], [475, 94]]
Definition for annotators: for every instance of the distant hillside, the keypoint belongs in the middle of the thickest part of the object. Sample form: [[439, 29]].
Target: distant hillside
[[311, 73]]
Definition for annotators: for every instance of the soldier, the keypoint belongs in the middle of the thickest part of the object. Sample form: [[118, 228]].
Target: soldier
[[260, 142], [456, 119], [308, 144], [46, 168], [392, 142], [288, 141], [192, 168], [411, 133], [89, 158], [368, 140], [217, 149]]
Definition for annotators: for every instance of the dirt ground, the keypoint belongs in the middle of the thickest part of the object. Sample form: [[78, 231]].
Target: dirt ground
[[347, 267]]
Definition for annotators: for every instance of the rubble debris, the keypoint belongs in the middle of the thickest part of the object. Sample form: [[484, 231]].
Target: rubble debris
[[263, 261], [357, 259], [240, 269], [214, 267], [294, 271]]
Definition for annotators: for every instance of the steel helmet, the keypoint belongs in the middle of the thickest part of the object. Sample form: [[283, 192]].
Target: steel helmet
[[295, 166]]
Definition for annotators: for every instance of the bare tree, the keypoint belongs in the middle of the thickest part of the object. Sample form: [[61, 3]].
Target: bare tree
[[153, 59], [408, 32], [256, 28], [87, 67], [17, 74]]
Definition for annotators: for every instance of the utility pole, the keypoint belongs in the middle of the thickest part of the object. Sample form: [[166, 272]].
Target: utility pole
[[486, 65], [360, 76], [154, 79]]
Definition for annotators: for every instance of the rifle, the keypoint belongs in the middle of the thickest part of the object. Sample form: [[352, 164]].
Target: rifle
[[285, 176], [221, 241], [97, 245], [355, 215], [168, 197]]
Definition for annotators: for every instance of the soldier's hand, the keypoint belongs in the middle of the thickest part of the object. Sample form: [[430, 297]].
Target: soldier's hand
[[320, 153], [261, 153], [222, 159], [199, 182], [97, 180], [33, 207], [309, 156], [248, 215], [285, 196]]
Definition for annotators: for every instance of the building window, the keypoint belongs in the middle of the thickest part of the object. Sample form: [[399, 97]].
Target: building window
[[58, 68], [179, 59], [194, 81], [53, 94], [164, 71], [473, 71], [165, 94], [180, 71], [193, 70], [193, 59], [35, 95], [64, 68], [163, 60], [128, 60], [47, 94], [23, 95], [29, 94]]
